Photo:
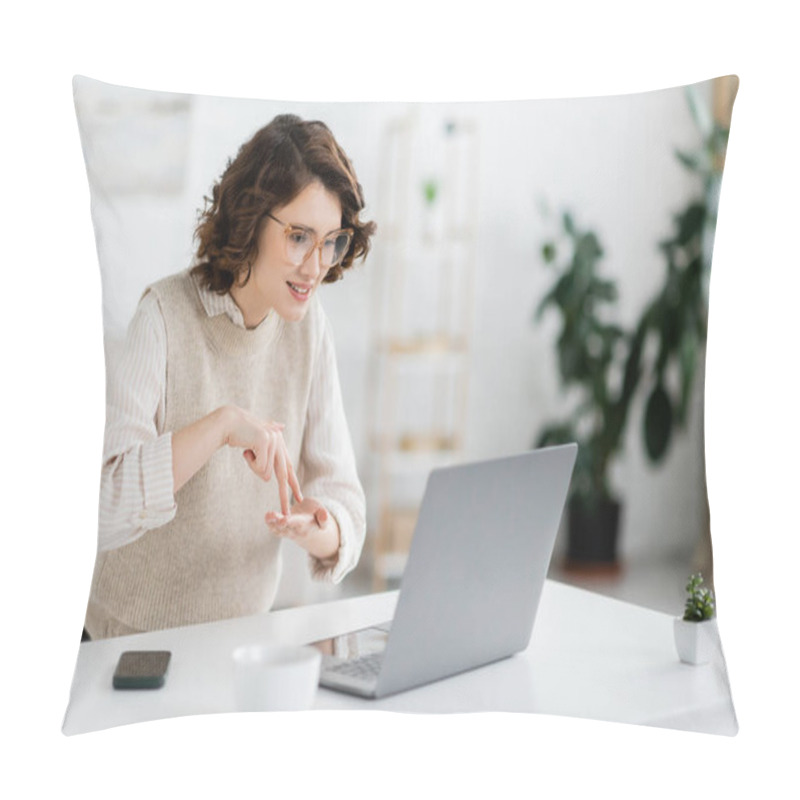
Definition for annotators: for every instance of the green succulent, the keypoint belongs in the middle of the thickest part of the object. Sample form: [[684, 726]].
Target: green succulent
[[700, 602]]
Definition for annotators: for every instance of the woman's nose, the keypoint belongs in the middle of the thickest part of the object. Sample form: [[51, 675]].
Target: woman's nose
[[311, 267]]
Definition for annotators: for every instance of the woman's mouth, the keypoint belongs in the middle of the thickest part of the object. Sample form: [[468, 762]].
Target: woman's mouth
[[299, 292]]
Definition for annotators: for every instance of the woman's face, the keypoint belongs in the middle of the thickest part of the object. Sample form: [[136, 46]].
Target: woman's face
[[275, 283]]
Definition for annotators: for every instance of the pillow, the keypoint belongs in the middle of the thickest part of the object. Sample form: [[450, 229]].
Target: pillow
[[539, 275]]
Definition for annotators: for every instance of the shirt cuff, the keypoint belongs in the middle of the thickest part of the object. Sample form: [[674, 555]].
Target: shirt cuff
[[332, 570], [157, 483]]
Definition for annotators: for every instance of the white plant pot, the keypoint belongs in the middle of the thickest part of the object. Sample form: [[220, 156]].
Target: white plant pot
[[696, 642]]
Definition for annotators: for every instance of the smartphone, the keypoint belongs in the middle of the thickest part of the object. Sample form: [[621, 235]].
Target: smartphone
[[141, 669]]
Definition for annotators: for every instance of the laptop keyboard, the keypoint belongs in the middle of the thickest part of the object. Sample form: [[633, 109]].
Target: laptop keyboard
[[365, 667]]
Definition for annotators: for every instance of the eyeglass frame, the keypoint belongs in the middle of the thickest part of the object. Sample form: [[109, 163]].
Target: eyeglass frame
[[287, 226]]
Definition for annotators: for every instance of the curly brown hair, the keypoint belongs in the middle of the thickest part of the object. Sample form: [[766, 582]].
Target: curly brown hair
[[269, 171]]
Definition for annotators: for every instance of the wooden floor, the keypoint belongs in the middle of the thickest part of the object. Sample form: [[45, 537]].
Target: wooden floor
[[657, 584]]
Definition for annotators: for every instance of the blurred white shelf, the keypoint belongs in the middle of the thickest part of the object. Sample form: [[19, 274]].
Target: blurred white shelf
[[422, 328]]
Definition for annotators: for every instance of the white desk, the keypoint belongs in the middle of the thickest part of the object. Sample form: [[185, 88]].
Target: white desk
[[590, 656]]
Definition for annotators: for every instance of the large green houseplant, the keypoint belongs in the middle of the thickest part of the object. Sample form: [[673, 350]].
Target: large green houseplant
[[677, 317], [606, 366], [588, 349]]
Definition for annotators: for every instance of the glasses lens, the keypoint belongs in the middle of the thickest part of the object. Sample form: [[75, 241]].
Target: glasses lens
[[334, 249], [298, 245]]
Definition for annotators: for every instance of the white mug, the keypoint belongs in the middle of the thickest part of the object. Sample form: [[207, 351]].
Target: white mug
[[275, 677]]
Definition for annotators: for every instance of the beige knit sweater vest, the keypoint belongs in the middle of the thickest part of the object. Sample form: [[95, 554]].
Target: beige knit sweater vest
[[216, 559]]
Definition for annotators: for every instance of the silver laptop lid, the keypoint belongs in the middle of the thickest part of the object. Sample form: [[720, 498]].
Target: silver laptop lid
[[477, 565]]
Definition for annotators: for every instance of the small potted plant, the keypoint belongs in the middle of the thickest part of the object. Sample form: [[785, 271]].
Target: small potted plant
[[696, 631]]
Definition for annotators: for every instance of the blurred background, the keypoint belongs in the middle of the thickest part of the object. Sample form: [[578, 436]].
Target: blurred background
[[597, 213]]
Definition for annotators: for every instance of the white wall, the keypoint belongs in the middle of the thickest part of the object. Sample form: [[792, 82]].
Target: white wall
[[610, 160]]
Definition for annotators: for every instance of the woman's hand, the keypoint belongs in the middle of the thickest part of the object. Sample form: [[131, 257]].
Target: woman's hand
[[261, 442], [264, 449], [309, 525]]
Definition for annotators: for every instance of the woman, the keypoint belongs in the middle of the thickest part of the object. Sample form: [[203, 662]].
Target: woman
[[229, 380]]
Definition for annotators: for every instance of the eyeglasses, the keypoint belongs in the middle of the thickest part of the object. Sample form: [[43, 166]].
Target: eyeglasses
[[300, 244]]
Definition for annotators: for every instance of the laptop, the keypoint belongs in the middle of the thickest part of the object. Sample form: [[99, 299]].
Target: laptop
[[475, 571]]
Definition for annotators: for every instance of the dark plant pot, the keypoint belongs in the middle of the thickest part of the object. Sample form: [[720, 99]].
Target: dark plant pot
[[592, 535]]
